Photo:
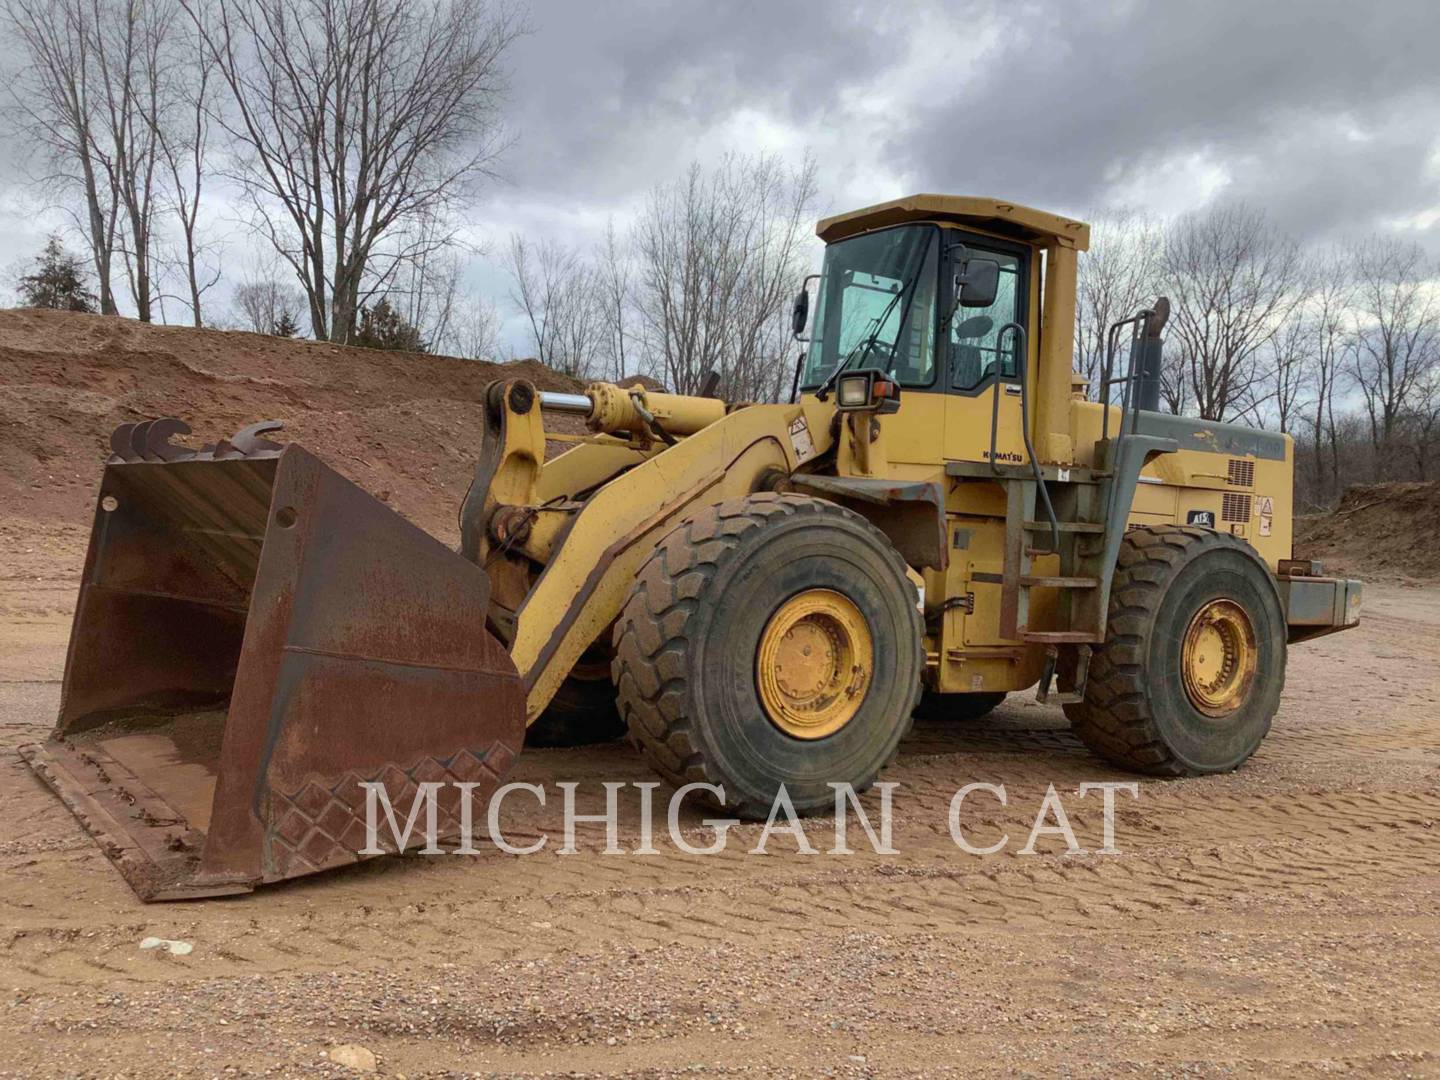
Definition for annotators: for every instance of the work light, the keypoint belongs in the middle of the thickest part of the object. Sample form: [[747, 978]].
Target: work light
[[853, 391]]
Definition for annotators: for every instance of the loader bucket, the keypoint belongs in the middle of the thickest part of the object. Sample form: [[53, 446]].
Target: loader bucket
[[255, 638]]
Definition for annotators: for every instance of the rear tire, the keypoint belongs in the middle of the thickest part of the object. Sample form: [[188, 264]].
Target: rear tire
[[1193, 663], [711, 602], [960, 707]]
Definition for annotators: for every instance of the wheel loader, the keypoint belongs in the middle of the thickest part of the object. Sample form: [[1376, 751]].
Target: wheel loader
[[766, 593]]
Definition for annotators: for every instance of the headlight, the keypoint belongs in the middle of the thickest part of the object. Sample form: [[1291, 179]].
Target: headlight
[[853, 391]]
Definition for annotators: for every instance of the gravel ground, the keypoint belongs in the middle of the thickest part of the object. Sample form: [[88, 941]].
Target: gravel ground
[[1280, 921]]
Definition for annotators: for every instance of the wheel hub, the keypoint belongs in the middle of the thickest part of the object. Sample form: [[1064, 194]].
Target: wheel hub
[[814, 664], [1218, 658]]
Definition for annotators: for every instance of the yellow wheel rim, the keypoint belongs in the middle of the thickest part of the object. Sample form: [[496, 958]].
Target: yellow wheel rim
[[814, 664], [1217, 659]]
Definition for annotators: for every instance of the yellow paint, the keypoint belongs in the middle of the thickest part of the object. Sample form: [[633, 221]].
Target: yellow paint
[[814, 664], [1218, 658], [585, 585]]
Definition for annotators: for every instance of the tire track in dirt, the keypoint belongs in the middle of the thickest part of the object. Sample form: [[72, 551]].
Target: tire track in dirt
[[1278, 851]]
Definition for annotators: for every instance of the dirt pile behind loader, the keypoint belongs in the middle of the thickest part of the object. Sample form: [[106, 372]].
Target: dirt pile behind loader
[[404, 427], [1383, 532]]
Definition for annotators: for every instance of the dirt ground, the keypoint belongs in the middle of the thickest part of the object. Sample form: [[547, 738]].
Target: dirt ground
[[1282, 920]]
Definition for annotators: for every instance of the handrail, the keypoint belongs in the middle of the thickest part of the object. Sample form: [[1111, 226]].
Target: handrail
[[1018, 332], [1140, 326]]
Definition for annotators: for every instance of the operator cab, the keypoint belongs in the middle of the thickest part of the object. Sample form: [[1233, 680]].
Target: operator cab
[[938, 298], [888, 300]]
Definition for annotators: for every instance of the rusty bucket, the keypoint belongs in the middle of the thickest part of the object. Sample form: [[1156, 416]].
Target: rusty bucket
[[255, 639]]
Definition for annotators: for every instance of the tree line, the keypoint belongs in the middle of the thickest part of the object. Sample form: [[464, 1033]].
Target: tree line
[[348, 137], [346, 140], [1337, 345]]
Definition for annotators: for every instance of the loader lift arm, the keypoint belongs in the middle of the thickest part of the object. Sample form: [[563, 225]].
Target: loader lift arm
[[585, 580]]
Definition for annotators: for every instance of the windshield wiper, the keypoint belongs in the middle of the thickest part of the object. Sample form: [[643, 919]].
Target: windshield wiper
[[868, 342]]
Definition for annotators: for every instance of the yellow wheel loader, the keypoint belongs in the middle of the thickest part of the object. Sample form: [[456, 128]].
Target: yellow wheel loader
[[939, 517]]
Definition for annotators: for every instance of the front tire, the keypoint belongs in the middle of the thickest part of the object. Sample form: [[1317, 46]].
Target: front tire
[[770, 640], [1193, 662]]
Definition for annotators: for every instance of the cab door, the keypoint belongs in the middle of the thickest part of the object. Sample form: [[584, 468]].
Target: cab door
[[982, 388], [980, 364]]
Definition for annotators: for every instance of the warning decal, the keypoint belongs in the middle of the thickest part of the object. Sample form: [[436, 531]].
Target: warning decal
[[800, 440], [1267, 514]]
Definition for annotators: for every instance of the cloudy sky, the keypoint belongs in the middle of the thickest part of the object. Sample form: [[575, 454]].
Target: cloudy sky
[[1325, 114]]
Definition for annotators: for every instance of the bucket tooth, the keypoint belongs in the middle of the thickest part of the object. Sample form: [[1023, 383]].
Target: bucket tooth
[[248, 441], [159, 436], [120, 443]]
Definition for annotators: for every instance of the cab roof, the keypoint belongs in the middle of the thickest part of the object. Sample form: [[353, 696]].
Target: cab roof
[[992, 215]]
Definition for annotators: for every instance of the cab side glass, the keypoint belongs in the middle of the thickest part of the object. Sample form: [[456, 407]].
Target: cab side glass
[[975, 353]]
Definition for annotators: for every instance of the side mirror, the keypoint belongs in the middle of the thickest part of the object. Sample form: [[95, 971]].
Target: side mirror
[[977, 283], [800, 312]]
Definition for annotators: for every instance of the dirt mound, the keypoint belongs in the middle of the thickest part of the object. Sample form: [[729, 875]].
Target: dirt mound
[[1381, 532], [405, 427]]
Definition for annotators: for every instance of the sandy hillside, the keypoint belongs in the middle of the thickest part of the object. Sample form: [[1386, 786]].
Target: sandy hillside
[[1382, 532], [404, 427]]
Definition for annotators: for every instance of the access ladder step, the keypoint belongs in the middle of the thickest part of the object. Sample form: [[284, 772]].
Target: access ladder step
[[1066, 527], [1059, 637], [1042, 582]]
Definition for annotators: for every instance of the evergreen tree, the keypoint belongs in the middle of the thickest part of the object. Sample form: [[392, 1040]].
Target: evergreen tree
[[58, 282], [382, 327], [285, 325]]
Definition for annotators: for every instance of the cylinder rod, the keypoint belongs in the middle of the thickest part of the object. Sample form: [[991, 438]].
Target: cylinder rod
[[567, 403]]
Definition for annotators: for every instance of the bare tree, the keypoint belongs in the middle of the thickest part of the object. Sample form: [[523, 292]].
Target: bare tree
[[1423, 420], [1118, 277], [556, 292], [1397, 335], [614, 273], [182, 134], [131, 49], [60, 105], [351, 121], [1278, 394], [473, 332], [1232, 280], [1327, 319], [93, 93], [1175, 379], [425, 287], [263, 304], [719, 253]]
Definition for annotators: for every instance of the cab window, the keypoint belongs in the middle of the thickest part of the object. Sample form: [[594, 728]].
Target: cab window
[[976, 352], [877, 306]]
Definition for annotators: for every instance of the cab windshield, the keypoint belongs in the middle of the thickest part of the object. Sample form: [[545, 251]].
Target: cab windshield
[[877, 306]]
